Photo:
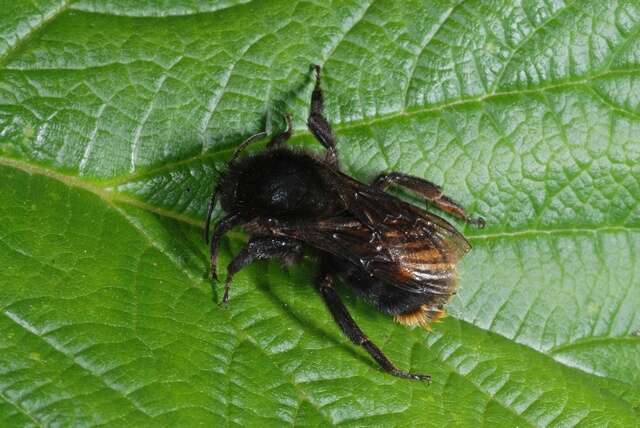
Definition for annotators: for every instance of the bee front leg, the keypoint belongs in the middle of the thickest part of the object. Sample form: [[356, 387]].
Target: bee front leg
[[212, 203], [282, 137], [352, 331], [225, 224], [261, 248], [429, 191]]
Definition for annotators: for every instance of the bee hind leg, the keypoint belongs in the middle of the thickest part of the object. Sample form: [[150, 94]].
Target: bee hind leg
[[318, 124], [353, 332], [260, 248], [429, 191]]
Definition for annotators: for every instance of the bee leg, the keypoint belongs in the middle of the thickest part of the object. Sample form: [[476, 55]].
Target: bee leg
[[212, 203], [353, 332], [284, 135], [286, 249], [225, 224], [318, 124], [429, 191]]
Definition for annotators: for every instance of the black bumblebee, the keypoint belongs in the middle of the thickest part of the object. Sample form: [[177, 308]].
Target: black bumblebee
[[395, 255]]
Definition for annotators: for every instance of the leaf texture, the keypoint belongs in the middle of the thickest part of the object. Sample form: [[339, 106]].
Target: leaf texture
[[117, 116]]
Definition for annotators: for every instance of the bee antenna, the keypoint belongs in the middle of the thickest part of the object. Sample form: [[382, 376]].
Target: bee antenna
[[245, 143]]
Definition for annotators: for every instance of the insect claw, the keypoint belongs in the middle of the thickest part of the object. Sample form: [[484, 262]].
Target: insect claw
[[288, 121], [225, 296], [478, 221], [413, 376], [423, 377]]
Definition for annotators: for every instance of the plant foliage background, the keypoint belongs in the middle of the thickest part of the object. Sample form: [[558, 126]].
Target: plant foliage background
[[116, 115]]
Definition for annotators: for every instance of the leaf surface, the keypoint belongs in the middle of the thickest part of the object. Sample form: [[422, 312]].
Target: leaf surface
[[116, 118]]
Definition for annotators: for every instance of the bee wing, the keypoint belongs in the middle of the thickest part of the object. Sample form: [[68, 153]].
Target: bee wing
[[415, 260], [390, 215]]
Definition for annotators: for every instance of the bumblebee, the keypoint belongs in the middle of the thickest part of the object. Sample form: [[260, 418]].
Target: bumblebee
[[398, 257]]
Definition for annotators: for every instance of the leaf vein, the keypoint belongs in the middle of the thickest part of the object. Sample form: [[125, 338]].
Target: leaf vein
[[36, 26], [29, 328], [423, 45]]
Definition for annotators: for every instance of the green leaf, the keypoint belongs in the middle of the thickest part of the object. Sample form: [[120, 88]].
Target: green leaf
[[116, 116]]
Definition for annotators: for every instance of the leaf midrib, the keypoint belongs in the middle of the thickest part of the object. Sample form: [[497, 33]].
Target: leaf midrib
[[113, 197]]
